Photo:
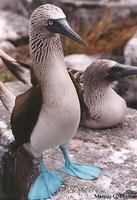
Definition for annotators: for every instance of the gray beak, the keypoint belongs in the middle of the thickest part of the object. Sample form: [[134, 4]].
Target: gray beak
[[120, 71], [61, 26]]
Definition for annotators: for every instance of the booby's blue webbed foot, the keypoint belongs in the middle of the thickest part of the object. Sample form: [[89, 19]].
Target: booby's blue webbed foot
[[83, 171], [46, 184]]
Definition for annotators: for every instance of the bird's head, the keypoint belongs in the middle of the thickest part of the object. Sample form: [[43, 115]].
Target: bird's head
[[49, 19], [104, 72]]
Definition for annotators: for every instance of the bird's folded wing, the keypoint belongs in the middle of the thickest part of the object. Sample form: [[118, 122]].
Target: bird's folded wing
[[77, 79], [25, 114]]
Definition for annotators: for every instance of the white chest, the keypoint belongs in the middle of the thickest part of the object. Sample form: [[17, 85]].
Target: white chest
[[109, 112], [55, 127], [60, 115]]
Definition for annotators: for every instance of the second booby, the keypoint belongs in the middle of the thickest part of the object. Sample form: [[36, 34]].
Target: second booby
[[48, 114], [101, 106]]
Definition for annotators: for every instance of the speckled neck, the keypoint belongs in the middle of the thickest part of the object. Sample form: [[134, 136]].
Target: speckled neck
[[47, 54], [43, 44], [94, 92]]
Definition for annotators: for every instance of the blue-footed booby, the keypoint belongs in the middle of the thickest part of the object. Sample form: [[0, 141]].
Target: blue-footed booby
[[48, 114], [101, 106], [94, 90]]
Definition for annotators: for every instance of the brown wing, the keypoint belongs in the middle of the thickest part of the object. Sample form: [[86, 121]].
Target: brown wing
[[33, 78], [77, 79], [25, 114]]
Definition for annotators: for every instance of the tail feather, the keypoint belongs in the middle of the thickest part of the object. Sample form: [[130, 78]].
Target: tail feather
[[20, 70], [7, 98]]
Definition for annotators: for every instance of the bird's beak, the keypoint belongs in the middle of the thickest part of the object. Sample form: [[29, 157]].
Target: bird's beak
[[61, 26], [119, 71]]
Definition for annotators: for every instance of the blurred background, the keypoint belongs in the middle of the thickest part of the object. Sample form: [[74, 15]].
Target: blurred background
[[110, 30], [108, 26]]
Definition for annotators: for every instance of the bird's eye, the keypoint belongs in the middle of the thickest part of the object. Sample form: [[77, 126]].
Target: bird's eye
[[50, 23]]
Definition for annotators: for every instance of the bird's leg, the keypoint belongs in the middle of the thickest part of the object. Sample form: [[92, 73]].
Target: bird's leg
[[46, 184], [83, 171]]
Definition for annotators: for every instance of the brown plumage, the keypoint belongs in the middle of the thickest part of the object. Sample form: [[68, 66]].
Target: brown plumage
[[77, 79], [25, 114]]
